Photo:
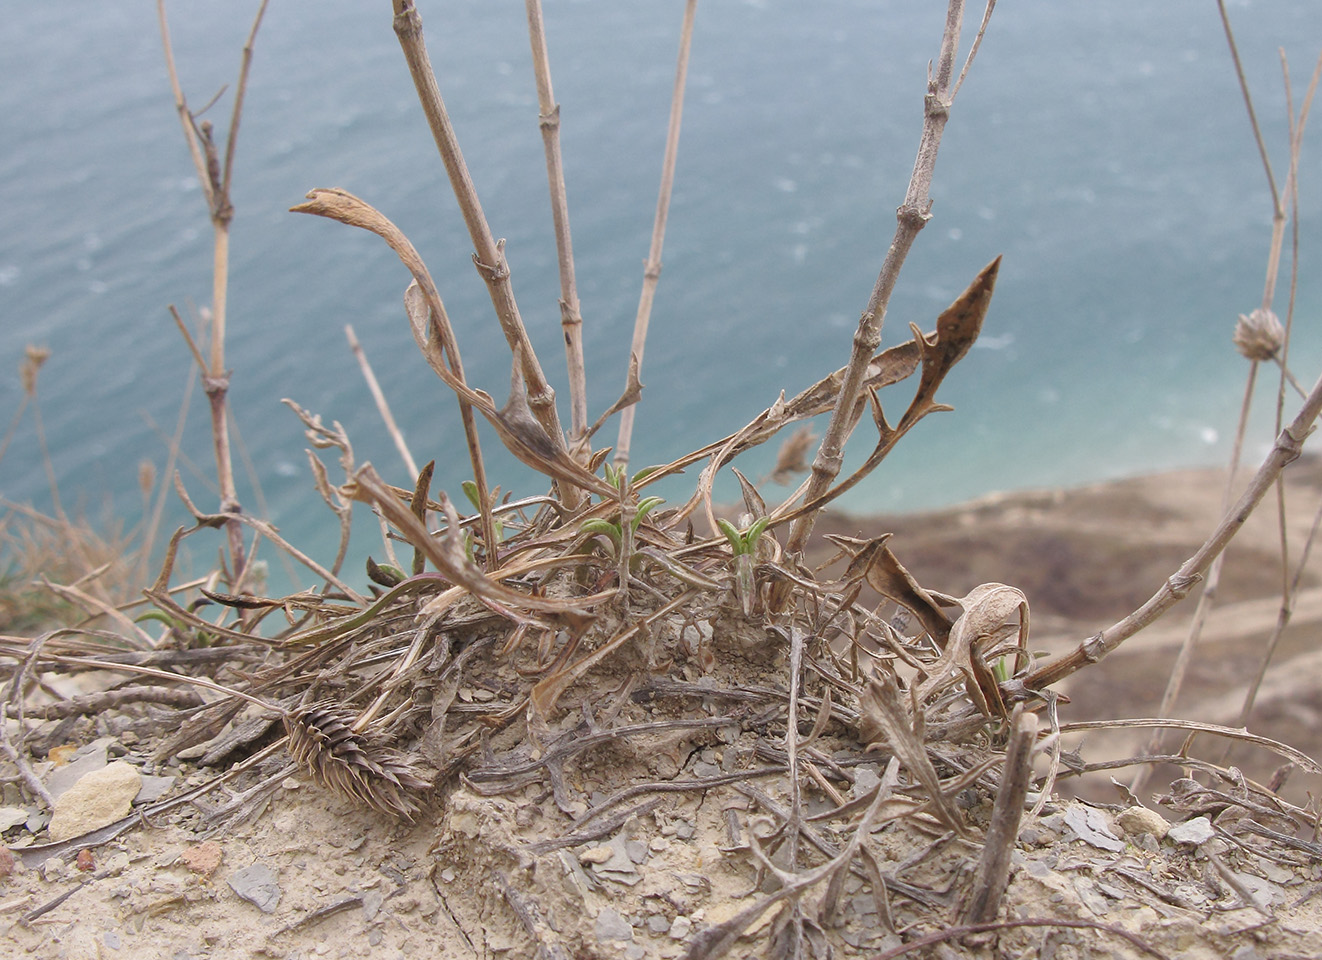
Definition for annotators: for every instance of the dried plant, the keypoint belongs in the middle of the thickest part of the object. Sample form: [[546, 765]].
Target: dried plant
[[497, 648]]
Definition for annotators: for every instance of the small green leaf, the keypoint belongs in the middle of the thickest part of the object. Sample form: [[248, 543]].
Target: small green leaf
[[471, 491], [164, 618], [598, 526], [731, 534], [645, 506], [754, 533]]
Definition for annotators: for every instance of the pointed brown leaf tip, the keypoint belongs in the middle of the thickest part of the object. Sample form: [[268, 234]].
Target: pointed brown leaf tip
[[959, 325]]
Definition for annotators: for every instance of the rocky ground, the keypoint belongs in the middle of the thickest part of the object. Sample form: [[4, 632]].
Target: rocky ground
[[591, 869]]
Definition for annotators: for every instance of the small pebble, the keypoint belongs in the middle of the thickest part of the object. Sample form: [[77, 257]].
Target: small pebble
[[1193, 832], [202, 858], [612, 926], [681, 928], [258, 884], [598, 854], [1138, 821], [98, 799], [658, 924]]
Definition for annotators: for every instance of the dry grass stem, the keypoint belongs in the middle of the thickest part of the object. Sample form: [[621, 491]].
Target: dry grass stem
[[489, 257], [215, 179], [912, 216], [571, 314], [379, 398], [652, 269], [993, 871]]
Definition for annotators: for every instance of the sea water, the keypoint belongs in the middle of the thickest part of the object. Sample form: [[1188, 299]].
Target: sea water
[[1103, 149]]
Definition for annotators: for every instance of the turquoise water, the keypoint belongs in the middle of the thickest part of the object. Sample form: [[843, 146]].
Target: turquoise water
[[1103, 149]]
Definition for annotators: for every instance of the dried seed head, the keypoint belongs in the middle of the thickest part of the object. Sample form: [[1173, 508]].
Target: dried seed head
[[33, 358], [146, 476], [1259, 335], [323, 742]]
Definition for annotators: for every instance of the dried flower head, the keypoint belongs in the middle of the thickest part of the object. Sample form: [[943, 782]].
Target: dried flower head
[[323, 741], [33, 358], [1259, 335]]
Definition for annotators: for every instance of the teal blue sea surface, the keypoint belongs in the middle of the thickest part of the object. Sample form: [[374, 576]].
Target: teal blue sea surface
[[1102, 148]]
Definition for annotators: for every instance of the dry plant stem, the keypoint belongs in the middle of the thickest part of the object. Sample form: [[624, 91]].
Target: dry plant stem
[[215, 179], [490, 254], [380, 399], [954, 933], [1298, 757], [1290, 590], [349, 210], [29, 775], [1286, 449], [1208, 596], [571, 317], [911, 217], [993, 872], [652, 270], [91, 703], [1282, 621]]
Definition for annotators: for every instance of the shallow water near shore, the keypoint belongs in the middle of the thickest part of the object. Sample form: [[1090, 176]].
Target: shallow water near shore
[[1104, 152]]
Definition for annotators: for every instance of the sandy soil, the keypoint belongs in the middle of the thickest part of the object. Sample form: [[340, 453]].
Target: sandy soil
[[523, 874]]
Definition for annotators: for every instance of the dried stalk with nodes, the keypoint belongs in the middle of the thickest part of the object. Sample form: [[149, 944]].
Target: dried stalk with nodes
[[216, 177], [485, 656], [1259, 337]]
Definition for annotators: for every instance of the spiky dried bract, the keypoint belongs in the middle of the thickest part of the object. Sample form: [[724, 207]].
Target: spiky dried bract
[[322, 740], [1259, 336]]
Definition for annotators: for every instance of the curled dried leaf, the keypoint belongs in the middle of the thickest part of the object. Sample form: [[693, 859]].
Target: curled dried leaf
[[884, 573]]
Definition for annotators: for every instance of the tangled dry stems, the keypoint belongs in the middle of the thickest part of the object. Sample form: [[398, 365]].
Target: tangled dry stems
[[557, 629]]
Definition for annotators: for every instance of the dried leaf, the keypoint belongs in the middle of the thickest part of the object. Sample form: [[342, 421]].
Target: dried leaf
[[884, 573], [986, 609], [883, 718], [753, 501], [956, 330]]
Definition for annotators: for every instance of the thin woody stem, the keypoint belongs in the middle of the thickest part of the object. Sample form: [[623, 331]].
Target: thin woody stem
[[652, 271], [571, 317], [911, 217], [1287, 448], [215, 179], [1207, 598], [489, 256]]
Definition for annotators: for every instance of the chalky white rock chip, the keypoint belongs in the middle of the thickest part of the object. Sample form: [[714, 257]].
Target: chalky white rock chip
[[97, 800], [1137, 821], [1196, 831]]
